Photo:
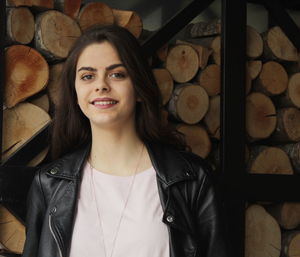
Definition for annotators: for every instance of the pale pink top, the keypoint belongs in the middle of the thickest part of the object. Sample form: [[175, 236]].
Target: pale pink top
[[141, 232]]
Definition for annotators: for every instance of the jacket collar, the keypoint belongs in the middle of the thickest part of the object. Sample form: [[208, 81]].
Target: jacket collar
[[169, 164]]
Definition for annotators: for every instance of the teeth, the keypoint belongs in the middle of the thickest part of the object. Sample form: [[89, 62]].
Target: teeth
[[105, 102]]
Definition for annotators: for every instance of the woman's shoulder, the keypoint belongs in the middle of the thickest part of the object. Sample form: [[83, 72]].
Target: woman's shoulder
[[66, 163], [170, 157]]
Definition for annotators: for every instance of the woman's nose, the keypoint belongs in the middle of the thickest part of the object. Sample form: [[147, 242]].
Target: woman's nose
[[102, 85]]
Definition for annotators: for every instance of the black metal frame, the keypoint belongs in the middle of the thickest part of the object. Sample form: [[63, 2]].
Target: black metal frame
[[237, 186]]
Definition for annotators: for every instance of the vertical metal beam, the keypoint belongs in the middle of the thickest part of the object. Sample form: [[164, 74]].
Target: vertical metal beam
[[2, 65], [233, 64]]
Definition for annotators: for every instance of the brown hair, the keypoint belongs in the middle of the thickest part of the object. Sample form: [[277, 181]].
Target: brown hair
[[71, 128]]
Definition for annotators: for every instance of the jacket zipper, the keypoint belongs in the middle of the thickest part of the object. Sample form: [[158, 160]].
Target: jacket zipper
[[55, 238]]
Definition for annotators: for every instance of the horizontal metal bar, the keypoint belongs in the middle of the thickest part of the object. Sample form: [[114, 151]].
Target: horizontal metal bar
[[261, 187]]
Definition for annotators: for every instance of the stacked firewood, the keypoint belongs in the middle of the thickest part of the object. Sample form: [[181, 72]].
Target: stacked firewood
[[189, 77], [272, 230], [39, 35]]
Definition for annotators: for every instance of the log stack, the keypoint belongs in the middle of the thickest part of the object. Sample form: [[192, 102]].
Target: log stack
[[272, 87]]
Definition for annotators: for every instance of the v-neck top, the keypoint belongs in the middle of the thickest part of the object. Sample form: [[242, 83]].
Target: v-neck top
[[102, 197]]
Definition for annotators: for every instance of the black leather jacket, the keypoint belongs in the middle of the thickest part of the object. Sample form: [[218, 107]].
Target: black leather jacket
[[185, 190]]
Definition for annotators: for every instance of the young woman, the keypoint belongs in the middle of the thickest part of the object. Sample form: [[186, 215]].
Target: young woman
[[120, 184]]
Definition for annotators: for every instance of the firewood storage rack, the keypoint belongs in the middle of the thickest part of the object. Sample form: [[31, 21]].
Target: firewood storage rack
[[236, 185]]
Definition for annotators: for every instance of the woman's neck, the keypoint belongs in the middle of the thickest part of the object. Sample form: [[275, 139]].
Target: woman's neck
[[117, 152]]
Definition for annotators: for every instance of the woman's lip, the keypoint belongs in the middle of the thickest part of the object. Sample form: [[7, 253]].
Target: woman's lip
[[105, 106], [103, 99]]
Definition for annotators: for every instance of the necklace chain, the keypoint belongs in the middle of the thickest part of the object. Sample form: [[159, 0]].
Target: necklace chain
[[123, 210]]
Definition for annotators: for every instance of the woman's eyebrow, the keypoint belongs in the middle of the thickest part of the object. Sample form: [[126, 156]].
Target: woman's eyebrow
[[110, 67], [113, 66], [87, 68]]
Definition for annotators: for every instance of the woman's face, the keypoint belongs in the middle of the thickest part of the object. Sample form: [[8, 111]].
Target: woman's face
[[104, 89]]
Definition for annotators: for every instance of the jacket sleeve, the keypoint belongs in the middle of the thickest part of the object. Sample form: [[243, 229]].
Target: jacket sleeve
[[34, 217], [210, 223]]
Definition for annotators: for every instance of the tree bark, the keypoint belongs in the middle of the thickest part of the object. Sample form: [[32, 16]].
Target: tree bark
[[291, 244], [210, 79], [260, 116], [95, 13], [263, 237], [189, 103], [129, 20], [212, 117], [68, 7], [293, 151], [40, 5], [288, 125], [277, 46], [197, 138], [27, 73], [55, 34], [165, 83], [269, 160], [18, 31], [182, 62], [203, 29], [272, 80]]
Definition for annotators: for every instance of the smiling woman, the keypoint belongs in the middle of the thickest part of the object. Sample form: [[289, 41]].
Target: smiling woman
[[116, 170]]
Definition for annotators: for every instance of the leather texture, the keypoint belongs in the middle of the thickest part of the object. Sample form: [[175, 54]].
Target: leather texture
[[186, 191]]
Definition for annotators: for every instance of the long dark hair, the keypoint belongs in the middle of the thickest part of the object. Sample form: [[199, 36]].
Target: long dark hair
[[70, 128]]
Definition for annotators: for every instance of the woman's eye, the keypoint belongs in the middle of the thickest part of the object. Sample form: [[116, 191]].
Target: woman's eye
[[86, 77], [117, 75]]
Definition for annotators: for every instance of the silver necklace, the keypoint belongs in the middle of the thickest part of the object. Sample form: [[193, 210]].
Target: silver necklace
[[123, 210]]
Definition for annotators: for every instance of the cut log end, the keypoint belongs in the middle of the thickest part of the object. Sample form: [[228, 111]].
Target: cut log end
[[269, 160], [55, 34], [165, 83], [95, 13], [189, 103], [182, 62], [272, 80], [210, 79], [254, 43], [197, 138], [278, 46], [27, 73], [212, 117], [129, 20], [260, 116], [18, 31], [263, 236]]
